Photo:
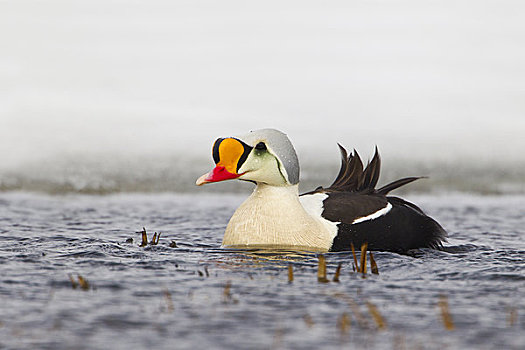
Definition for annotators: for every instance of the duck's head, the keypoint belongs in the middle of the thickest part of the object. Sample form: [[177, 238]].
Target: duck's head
[[262, 156]]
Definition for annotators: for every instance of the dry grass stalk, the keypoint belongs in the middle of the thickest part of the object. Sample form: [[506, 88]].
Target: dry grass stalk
[[290, 273], [74, 283], [355, 266], [308, 320], [278, 338], [445, 313], [337, 273], [373, 265], [227, 291], [513, 316], [364, 247], [343, 323], [376, 315], [321, 269], [155, 239], [83, 283], [169, 302], [144, 238], [361, 320]]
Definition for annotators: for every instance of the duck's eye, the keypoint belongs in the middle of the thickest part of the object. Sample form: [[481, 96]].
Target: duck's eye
[[261, 146]]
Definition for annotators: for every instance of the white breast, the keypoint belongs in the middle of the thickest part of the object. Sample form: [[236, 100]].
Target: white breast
[[274, 217]]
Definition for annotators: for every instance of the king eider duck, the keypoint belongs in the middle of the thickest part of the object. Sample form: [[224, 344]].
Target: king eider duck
[[350, 211]]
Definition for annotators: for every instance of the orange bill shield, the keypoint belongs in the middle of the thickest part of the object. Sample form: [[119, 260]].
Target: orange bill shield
[[229, 154]]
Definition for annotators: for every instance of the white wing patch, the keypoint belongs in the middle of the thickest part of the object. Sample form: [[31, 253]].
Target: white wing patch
[[313, 204], [375, 215]]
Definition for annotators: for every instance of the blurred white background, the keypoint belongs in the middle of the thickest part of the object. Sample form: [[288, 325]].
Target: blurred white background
[[421, 79]]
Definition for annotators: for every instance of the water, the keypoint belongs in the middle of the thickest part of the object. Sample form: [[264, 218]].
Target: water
[[198, 295]]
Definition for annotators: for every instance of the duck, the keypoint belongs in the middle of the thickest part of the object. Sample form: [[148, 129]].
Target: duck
[[349, 212]]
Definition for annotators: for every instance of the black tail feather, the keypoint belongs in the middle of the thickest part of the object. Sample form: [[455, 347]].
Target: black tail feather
[[351, 172], [353, 178], [343, 172], [371, 173], [398, 183]]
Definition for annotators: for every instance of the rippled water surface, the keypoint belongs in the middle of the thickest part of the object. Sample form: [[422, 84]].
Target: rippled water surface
[[197, 295]]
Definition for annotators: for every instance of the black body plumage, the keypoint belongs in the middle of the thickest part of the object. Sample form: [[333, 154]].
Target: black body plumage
[[353, 195]]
